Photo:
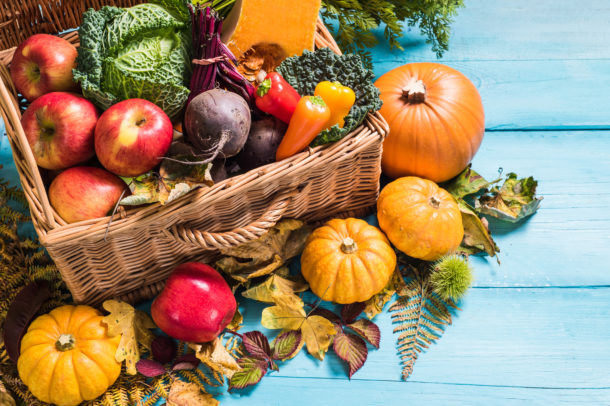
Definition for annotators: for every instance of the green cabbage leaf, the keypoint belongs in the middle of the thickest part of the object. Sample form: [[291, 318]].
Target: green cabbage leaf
[[138, 52]]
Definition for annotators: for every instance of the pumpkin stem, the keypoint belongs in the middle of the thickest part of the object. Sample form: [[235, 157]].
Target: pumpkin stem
[[348, 245], [414, 92], [65, 342], [434, 202]]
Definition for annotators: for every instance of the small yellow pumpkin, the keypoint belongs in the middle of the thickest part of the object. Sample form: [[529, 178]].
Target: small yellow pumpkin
[[421, 219], [67, 356], [347, 261]]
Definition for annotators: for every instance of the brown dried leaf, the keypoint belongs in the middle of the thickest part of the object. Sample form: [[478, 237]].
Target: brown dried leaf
[[216, 357], [188, 394], [266, 254], [375, 305], [274, 285]]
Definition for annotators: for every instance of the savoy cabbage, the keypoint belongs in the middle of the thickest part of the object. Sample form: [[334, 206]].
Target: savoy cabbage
[[138, 52]]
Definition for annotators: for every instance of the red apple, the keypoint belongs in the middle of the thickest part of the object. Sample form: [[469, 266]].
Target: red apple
[[195, 305], [43, 63], [60, 129], [132, 136], [84, 193]]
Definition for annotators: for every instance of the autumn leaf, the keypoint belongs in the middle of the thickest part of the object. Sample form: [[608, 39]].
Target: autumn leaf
[[274, 285], [287, 345], [257, 345], [133, 325], [6, 399], [476, 235], [216, 357], [251, 372], [350, 312], [289, 314], [367, 330], [467, 183], [266, 254], [515, 200], [174, 180], [375, 304], [188, 394], [236, 321], [150, 368], [351, 349]]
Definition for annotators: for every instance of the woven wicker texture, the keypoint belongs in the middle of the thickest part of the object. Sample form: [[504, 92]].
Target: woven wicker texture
[[133, 256]]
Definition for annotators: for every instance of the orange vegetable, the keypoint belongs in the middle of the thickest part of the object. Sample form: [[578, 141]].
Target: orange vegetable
[[420, 219], [436, 121], [347, 261], [308, 120], [339, 99]]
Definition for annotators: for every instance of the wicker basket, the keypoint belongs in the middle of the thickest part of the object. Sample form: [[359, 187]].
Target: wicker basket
[[132, 257]]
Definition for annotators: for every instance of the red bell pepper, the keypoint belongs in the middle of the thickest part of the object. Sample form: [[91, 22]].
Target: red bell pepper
[[275, 96]]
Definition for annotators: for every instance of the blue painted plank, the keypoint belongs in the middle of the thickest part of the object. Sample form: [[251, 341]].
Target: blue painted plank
[[506, 345], [302, 391], [566, 242], [516, 30]]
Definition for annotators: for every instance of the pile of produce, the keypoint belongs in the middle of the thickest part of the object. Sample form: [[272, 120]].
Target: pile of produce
[[169, 98], [139, 135]]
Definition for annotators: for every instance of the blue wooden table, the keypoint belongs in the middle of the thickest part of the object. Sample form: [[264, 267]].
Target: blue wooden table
[[535, 329]]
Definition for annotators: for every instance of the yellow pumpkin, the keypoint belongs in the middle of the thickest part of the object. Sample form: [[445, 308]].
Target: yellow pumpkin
[[67, 357], [347, 261], [421, 219]]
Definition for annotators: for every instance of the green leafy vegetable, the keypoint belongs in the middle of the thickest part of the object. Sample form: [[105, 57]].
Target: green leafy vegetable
[[358, 18], [515, 200], [139, 52], [306, 71]]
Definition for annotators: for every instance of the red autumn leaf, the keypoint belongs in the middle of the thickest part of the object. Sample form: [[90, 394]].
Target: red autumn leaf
[[150, 368], [351, 349], [327, 314], [350, 312], [163, 349], [367, 330], [186, 361], [20, 313], [257, 345]]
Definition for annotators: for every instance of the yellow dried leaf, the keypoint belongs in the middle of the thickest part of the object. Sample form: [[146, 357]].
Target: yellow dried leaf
[[188, 394], [273, 286], [133, 325], [216, 357], [289, 314]]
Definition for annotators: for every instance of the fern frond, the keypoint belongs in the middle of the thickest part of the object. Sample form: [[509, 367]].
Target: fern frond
[[421, 317]]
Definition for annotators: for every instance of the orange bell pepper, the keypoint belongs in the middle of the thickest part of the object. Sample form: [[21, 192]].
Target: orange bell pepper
[[339, 99], [308, 120]]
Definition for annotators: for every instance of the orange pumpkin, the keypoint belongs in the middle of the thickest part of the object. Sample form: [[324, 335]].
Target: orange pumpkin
[[436, 121], [420, 219], [66, 356], [347, 261]]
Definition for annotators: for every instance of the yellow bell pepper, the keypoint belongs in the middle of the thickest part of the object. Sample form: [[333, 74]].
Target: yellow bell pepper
[[339, 99]]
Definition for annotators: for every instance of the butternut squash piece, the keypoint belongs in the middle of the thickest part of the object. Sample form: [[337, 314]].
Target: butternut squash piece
[[291, 24]]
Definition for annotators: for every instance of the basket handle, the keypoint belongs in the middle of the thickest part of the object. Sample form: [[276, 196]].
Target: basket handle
[[238, 236], [22, 143]]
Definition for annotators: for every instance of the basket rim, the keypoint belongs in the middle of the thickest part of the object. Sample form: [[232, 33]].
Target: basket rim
[[57, 233]]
